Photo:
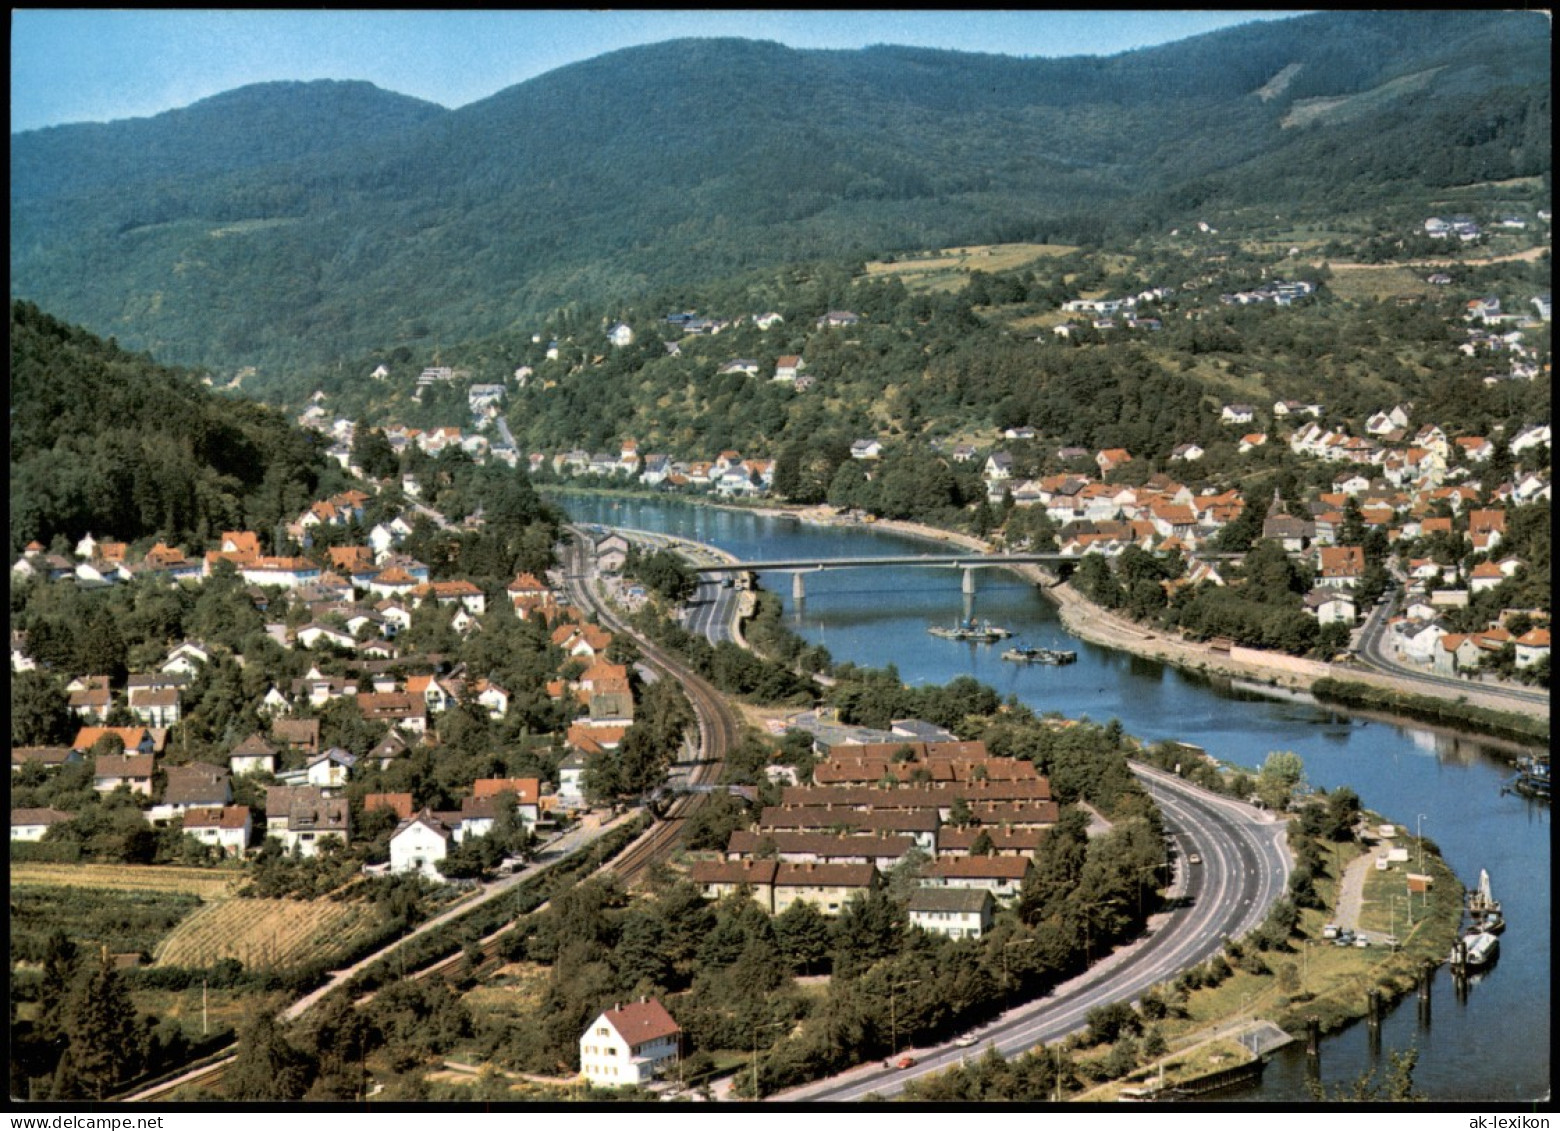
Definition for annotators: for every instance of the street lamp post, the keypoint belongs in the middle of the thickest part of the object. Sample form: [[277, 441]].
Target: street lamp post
[[1420, 837]]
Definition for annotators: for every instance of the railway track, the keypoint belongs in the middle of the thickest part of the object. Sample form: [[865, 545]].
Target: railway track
[[718, 725]]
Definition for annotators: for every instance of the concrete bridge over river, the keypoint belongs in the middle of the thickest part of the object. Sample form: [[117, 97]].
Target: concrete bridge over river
[[967, 562], [799, 567]]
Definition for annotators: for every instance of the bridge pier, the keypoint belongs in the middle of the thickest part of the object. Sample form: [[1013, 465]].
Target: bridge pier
[[798, 587], [968, 586]]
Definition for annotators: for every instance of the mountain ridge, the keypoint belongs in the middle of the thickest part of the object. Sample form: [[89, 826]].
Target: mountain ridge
[[694, 159]]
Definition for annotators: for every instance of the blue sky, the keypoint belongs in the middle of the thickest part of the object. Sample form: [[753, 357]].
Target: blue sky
[[94, 66]]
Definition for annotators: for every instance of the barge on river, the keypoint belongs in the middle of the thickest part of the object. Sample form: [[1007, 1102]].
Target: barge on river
[[1021, 654], [981, 632]]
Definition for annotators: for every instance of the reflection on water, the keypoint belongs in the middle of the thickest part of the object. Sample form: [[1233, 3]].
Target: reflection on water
[[1411, 773]]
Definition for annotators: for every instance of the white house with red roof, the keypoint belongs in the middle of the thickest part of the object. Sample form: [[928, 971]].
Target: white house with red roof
[[630, 1045], [526, 792], [227, 827], [33, 824], [1109, 459], [418, 844], [1532, 646]]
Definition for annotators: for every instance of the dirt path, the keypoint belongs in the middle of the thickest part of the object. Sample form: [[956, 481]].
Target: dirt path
[[1351, 892], [1527, 256]]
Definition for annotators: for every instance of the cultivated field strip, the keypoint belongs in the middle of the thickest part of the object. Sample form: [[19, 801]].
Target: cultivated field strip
[[267, 933], [201, 882]]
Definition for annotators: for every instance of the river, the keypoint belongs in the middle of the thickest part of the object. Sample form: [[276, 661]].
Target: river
[[1493, 1045]]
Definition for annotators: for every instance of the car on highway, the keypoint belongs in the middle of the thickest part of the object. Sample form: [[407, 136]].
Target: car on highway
[[906, 1062], [1194, 859], [966, 1041]]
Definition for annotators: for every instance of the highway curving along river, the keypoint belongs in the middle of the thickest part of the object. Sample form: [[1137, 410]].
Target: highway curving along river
[[1245, 867]]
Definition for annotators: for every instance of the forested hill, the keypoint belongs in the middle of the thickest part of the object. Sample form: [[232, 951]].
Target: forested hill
[[266, 126], [107, 442], [290, 223]]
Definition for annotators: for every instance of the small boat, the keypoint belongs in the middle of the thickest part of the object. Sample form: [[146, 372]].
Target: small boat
[[1532, 778], [1478, 950], [1022, 654], [1485, 908]]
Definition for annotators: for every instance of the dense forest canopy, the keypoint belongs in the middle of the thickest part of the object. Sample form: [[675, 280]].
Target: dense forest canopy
[[109, 442], [287, 224]]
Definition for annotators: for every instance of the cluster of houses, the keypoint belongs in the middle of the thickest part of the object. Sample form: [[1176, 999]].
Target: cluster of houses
[[357, 612], [484, 400], [1106, 311], [973, 820], [1463, 228], [728, 475], [1402, 481], [1276, 291]]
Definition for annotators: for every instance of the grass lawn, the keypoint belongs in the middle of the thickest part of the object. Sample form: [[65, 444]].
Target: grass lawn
[[1370, 283], [948, 270], [224, 1008], [513, 993], [1199, 1060]]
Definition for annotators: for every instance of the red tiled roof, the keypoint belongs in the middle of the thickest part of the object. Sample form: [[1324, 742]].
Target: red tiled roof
[[825, 875], [21, 817], [526, 790], [979, 867], [224, 817], [641, 1022], [826, 845], [119, 766], [756, 872], [398, 803], [132, 737]]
